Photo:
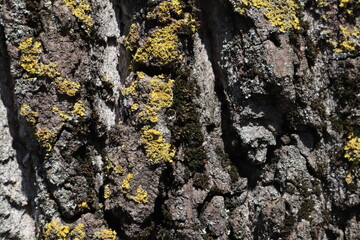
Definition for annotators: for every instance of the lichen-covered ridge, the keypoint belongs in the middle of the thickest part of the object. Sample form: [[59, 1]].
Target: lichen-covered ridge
[[179, 119]]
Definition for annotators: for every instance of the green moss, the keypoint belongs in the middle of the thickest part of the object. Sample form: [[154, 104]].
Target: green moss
[[201, 181], [305, 210], [227, 164]]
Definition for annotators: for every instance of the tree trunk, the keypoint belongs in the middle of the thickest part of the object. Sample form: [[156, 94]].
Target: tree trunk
[[179, 119]]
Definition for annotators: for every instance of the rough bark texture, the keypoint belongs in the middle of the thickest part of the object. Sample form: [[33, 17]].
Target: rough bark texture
[[216, 119]]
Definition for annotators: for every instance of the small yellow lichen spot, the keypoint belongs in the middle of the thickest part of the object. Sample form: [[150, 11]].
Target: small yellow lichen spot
[[105, 234], [134, 107], [352, 149], [131, 90], [125, 186], [157, 150], [119, 169], [132, 38], [30, 115], [78, 232], [83, 205], [79, 108], [349, 40], [66, 86], [141, 196], [107, 191], [46, 138]]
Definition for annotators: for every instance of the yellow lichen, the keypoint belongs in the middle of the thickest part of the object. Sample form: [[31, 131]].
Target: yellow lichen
[[352, 149], [79, 108], [349, 40], [131, 90], [161, 47], [78, 233], [160, 96], [132, 38], [119, 169], [107, 191], [166, 10], [141, 196], [125, 186], [81, 10], [30, 115], [134, 107], [352, 154], [30, 60], [66, 86], [157, 150], [105, 234], [280, 13], [53, 231], [46, 138], [84, 205]]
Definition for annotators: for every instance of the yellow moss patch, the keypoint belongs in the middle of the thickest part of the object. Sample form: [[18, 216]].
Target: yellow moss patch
[[157, 150], [30, 115], [105, 234], [81, 10], [141, 196], [66, 86]]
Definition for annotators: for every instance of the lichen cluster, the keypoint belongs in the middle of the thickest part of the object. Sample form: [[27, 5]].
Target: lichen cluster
[[30, 60], [280, 13], [46, 137], [352, 155], [160, 97], [30, 115], [162, 45], [105, 234], [141, 195], [156, 148], [35, 69], [349, 39], [53, 231], [81, 10]]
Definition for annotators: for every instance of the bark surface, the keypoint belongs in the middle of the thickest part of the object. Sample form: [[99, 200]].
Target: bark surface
[[179, 119]]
